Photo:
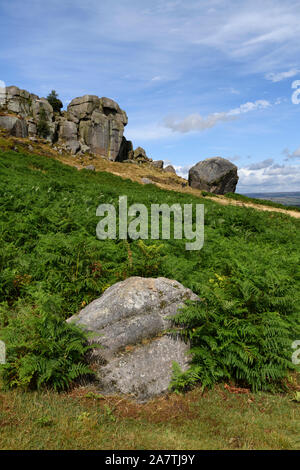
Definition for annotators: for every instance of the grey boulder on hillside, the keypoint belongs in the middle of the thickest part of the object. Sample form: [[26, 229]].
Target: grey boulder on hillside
[[130, 322], [215, 175], [170, 169]]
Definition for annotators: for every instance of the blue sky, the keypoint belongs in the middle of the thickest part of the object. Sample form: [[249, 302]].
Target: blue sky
[[197, 78]]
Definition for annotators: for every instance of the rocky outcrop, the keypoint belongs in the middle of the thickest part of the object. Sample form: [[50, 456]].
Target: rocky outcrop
[[100, 124], [130, 322], [26, 110], [170, 169], [158, 164], [16, 126], [90, 123], [215, 175], [17, 101], [139, 155]]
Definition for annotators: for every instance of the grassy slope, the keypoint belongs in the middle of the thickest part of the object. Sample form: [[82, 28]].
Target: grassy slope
[[218, 419], [134, 172], [48, 232], [49, 251]]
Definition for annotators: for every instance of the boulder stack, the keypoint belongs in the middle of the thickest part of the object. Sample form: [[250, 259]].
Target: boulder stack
[[90, 124]]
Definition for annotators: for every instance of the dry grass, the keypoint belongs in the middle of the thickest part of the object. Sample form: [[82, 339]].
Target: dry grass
[[82, 419]]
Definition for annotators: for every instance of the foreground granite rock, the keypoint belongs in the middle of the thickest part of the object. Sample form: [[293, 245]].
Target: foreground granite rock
[[130, 321], [215, 175]]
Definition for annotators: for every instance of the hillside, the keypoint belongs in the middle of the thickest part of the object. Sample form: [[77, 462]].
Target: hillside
[[49, 247], [247, 272], [135, 172]]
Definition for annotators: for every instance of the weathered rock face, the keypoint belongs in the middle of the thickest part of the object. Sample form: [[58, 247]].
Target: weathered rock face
[[90, 123], [25, 109], [130, 321], [100, 123], [139, 155], [158, 164], [18, 101], [215, 175], [16, 126]]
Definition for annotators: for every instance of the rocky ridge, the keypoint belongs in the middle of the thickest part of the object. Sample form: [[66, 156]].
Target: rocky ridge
[[89, 125], [95, 126]]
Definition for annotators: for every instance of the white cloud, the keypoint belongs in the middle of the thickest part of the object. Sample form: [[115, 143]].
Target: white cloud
[[273, 178], [277, 77], [195, 122], [249, 106], [260, 165], [183, 171]]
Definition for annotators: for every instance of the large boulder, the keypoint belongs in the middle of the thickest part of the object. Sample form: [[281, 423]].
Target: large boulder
[[130, 322], [100, 123], [158, 164], [26, 107], [139, 155], [83, 107], [17, 101], [16, 126], [170, 169], [215, 175]]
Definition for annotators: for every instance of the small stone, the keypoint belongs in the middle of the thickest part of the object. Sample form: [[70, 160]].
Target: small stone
[[147, 181], [90, 167]]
